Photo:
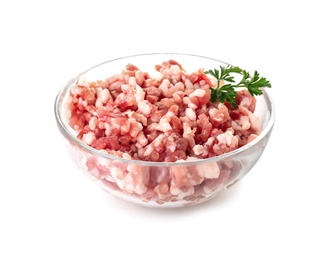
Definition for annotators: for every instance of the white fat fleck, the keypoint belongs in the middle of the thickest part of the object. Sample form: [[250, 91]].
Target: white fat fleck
[[212, 111], [104, 95], [175, 69], [174, 190], [99, 103], [255, 122], [153, 126], [188, 84], [67, 113], [83, 164], [104, 162], [148, 150], [186, 100], [187, 132], [126, 156], [213, 80], [235, 126], [198, 149], [144, 107], [212, 170], [140, 189], [82, 82], [132, 81], [210, 141], [117, 173], [208, 171], [244, 121], [88, 138], [172, 147], [108, 178], [158, 140], [225, 138], [129, 113], [165, 126], [198, 93], [157, 75], [125, 87], [169, 114], [192, 105], [190, 113], [155, 143], [140, 94], [129, 188], [164, 87], [245, 102], [229, 138], [108, 130]]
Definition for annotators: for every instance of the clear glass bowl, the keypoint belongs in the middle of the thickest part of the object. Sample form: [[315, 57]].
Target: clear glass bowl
[[141, 181]]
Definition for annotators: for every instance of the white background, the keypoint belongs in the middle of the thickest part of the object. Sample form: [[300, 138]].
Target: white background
[[49, 210]]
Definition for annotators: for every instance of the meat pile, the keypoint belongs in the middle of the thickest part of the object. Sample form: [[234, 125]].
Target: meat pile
[[164, 117]]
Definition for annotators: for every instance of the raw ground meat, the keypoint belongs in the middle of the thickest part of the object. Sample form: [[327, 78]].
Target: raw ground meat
[[167, 117], [163, 119]]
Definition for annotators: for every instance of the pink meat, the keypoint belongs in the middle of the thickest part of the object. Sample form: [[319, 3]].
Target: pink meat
[[165, 118]]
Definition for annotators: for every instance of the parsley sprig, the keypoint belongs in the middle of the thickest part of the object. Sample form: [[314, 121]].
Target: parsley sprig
[[227, 91]]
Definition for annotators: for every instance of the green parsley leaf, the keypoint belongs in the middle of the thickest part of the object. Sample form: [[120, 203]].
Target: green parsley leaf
[[227, 92]]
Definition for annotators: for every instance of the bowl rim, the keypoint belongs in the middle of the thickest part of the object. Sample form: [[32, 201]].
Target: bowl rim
[[68, 134]]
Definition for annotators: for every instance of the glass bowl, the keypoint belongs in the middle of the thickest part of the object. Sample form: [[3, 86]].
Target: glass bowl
[[162, 184]]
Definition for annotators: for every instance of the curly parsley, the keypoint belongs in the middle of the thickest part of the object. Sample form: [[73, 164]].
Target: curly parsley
[[227, 91]]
